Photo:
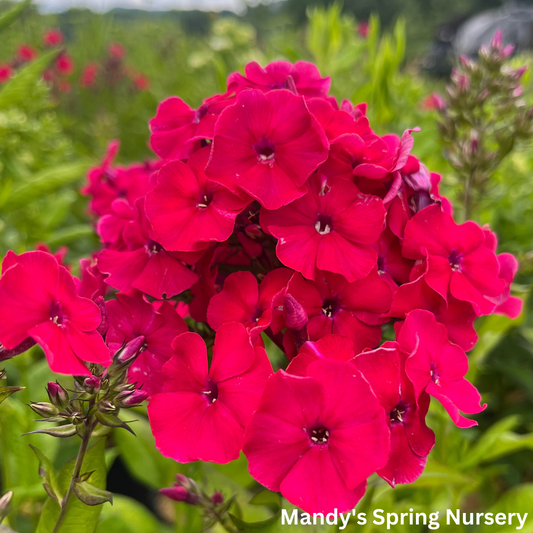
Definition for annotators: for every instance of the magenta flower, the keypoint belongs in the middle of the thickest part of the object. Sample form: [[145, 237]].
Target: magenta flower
[[130, 316], [53, 37], [177, 129], [39, 301], [304, 77], [242, 301], [411, 439], [317, 438], [457, 316], [64, 64], [437, 366], [393, 267], [145, 265], [266, 146], [202, 413], [332, 228], [188, 211], [92, 283], [350, 309], [6, 72], [456, 258]]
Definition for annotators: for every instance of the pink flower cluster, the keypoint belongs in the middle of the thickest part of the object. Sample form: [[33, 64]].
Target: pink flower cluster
[[276, 213]]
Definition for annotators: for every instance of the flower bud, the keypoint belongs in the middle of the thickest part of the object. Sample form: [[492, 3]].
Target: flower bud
[[186, 482], [294, 314], [496, 41], [5, 500], [253, 231], [217, 498], [57, 394], [92, 384], [44, 409], [130, 351], [180, 494], [131, 398], [107, 407]]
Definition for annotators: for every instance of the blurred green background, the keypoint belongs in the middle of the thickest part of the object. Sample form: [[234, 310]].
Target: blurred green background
[[51, 132]]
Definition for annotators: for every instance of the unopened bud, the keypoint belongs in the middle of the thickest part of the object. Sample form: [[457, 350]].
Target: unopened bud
[[217, 498], [294, 314], [180, 494], [44, 409], [130, 351], [57, 394], [107, 407], [5, 500], [496, 41], [131, 398], [92, 384]]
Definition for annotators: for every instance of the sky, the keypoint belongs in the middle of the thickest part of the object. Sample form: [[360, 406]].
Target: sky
[[54, 6]]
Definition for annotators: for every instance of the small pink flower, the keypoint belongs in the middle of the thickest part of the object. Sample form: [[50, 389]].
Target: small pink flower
[[26, 53], [132, 315], [6, 72], [411, 439], [332, 228], [141, 81], [64, 64], [437, 366], [39, 300], [53, 37], [433, 102], [89, 74], [266, 146], [202, 412], [187, 210], [116, 50], [305, 438], [304, 77], [456, 258]]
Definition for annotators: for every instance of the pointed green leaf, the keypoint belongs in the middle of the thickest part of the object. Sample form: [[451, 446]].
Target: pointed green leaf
[[49, 475], [6, 392], [62, 432], [271, 524], [90, 495], [13, 14]]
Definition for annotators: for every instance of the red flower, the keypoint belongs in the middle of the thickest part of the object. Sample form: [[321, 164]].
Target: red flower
[[241, 301], [177, 129], [64, 64], [202, 413], [411, 439], [39, 300], [456, 258], [188, 211], [132, 315], [266, 146], [145, 264], [26, 53], [6, 72], [393, 267], [53, 37], [302, 76], [433, 101], [141, 81], [438, 367], [116, 50], [350, 309], [362, 28], [325, 466], [331, 228], [89, 74], [92, 283]]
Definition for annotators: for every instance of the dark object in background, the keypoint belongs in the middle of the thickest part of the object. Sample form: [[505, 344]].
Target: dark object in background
[[514, 20]]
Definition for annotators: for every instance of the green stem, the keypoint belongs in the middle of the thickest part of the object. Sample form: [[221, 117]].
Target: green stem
[[467, 199], [87, 432]]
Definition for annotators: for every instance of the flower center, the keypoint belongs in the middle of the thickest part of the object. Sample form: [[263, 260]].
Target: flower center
[[211, 391], [319, 435], [205, 200], [265, 150], [153, 247], [455, 260], [56, 314], [435, 377], [381, 265], [397, 414], [330, 306], [201, 112], [324, 224]]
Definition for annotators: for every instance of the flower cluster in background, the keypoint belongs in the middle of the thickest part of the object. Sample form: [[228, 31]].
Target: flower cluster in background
[[274, 216]]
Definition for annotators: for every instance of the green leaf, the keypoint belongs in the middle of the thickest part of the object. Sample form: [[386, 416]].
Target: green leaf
[[271, 524], [6, 392], [128, 515], [49, 475], [13, 14], [91, 495], [268, 498], [80, 517], [436, 475], [18, 88], [44, 183], [112, 421], [142, 457]]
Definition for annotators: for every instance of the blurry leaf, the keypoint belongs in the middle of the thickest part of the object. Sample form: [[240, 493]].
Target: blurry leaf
[[80, 517], [44, 183], [436, 475], [91, 495], [268, 498], [49, 475], [7, 18], [128, 515], [142, 457], [271, 524], [18, 88], [62, 432], [6, 392], [70, 234], [517, 500]]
